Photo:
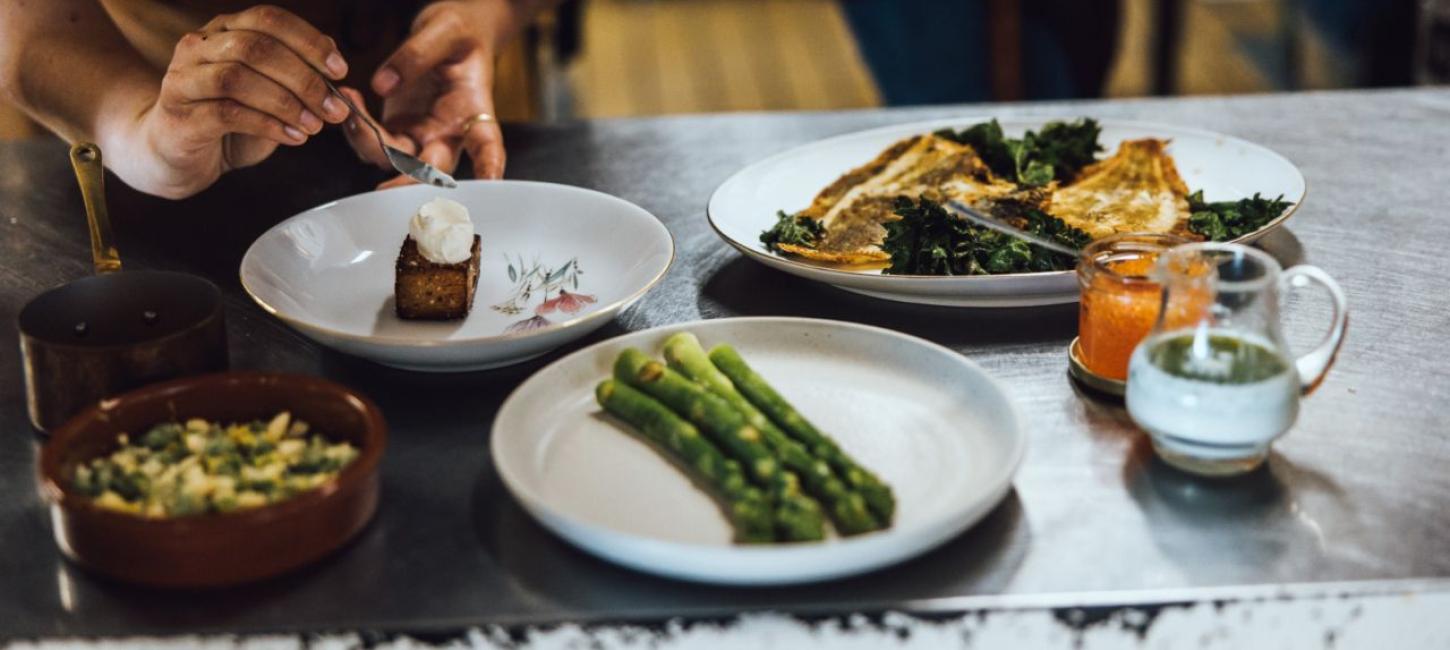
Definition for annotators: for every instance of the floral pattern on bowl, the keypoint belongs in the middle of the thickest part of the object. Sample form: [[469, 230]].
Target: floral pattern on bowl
[[537, 280]]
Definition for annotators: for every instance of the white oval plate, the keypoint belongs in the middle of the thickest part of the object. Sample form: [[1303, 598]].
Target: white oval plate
[[328, 272], [1224, 167], [931, 423]]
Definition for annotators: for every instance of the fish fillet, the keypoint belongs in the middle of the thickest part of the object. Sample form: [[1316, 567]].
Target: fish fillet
[[1137, 189], [853, 209]]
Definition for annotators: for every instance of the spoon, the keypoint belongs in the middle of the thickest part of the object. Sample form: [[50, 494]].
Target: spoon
[[975, 216], [406, 164]]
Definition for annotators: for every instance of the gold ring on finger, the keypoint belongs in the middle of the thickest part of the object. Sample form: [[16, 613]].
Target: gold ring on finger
[[476, 119]]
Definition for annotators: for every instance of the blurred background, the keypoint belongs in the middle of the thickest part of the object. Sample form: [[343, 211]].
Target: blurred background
[[617, 58]]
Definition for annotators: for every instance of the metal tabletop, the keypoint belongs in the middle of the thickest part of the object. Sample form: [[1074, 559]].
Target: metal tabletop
[[1358, 491]]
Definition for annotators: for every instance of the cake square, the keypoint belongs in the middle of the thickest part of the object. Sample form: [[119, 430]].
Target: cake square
[[426, 290]]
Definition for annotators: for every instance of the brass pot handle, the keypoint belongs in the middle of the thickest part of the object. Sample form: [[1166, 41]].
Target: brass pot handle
[[85, 157]]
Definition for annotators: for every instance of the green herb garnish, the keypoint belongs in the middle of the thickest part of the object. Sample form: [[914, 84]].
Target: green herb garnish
[[1058, 151], [792, 229], [928, 240], [1225, 220]]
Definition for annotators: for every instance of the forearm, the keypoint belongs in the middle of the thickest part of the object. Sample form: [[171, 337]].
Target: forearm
[[66, 65]]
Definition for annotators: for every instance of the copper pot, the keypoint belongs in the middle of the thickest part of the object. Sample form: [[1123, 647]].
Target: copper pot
[[102, 335]]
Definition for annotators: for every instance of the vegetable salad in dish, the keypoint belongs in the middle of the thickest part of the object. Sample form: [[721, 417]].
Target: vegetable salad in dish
[[887, 213], [178, 469]]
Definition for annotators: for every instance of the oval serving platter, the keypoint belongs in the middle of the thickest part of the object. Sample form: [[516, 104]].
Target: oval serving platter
[[557, 262], [1224, 167], [928, 421]]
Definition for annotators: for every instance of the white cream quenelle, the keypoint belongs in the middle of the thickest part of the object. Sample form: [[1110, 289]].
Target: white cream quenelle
[[443, 231]]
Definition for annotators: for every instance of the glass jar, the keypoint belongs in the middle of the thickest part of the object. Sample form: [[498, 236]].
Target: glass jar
[[1120, 301]]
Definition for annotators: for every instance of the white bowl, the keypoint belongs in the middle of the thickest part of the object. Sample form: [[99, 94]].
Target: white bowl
[[557, 263]]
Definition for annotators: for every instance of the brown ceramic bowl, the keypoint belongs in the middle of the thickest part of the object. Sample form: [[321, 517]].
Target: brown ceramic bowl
[[215, 549]]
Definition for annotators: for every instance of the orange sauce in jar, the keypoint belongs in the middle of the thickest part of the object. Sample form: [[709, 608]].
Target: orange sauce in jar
[[1116, 315], [1121, 301]]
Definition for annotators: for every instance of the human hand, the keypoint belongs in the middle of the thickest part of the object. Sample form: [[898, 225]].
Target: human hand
[[433, 86], [236, 89]]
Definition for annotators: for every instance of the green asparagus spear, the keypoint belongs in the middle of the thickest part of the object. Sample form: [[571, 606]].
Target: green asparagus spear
[[877, 494], [747, 508], [848, 509], [799, 517]]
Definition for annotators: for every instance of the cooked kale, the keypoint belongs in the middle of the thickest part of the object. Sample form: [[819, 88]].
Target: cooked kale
[[987, 140], [1225, 220], [791, 229], [1058, 151], [928, 240], [1067, 147]]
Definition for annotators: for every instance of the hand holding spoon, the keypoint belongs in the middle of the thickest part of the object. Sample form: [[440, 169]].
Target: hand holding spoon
[[404, 163]]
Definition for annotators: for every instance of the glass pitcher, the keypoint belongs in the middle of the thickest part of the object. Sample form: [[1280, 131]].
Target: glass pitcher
[[1214, 391]]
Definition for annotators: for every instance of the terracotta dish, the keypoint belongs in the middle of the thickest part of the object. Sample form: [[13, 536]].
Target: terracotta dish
[[215, 549]]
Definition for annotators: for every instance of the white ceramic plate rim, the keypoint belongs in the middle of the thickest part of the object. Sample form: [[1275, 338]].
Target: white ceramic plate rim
[[606, 311], [998, 485], [932, 125]]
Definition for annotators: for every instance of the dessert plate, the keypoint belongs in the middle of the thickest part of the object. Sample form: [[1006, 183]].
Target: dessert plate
[[927, 420], [1224, 167], [557, 262]]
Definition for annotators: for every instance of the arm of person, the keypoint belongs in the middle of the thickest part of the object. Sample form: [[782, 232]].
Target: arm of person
[[441, 78], [234, 90], [66, 65]]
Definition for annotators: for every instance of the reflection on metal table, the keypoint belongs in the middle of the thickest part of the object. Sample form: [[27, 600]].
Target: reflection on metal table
[[1357, 492]]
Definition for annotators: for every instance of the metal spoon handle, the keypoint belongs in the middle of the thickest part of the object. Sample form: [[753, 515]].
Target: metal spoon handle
[[361, 116], [85, 157], [973, 215], [401, 161]]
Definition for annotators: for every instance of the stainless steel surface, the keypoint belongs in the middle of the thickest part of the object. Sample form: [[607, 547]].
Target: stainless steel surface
[[971, 214], [1358, 490], [405, 163]]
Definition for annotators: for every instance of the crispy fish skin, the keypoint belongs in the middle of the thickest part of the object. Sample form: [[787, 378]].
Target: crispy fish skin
[[863, 257], [1137, 189], [833, 193], [853, 209]]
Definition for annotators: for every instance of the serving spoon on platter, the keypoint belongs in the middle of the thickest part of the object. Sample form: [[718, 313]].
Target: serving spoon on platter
[[976, 216], [402, 161]]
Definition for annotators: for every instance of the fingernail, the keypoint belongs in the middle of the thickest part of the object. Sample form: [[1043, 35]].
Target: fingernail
[[292, 132], [332, 107], [336, 65], [385, 80], [310, 121]]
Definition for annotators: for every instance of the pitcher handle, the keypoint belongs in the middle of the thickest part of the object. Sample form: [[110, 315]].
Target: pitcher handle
[[1313, 365]]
